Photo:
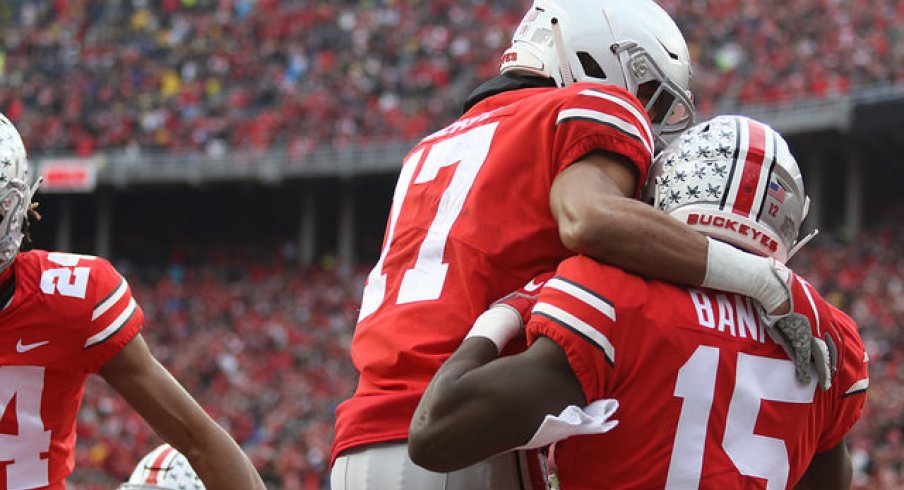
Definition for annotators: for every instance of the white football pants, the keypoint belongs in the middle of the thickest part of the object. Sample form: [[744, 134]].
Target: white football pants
[[388, 467]]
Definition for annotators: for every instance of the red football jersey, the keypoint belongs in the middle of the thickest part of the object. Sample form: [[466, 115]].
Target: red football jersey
[[470, 222], [68, 316], [706, 398]]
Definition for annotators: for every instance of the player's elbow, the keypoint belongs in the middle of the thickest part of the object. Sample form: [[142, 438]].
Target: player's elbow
[[587, 231], [427, 449], [422, 453], [574, 234], [434, 437]]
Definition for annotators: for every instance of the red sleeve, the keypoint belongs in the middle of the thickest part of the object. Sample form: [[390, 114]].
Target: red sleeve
[[580, 319], [115, 318], [599, 117], [848, 392]]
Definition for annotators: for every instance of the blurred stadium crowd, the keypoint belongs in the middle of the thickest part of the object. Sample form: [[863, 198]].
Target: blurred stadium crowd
[[210, 75], [263, 346], [865, 278]]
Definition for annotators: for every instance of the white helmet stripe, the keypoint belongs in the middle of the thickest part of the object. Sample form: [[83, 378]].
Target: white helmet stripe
[[734, 164], [753, 172]]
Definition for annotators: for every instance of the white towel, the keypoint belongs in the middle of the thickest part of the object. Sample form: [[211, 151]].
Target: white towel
[[574, 421]]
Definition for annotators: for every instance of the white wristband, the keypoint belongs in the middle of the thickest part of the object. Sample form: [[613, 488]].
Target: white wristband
[[500, 324], [733, 270]]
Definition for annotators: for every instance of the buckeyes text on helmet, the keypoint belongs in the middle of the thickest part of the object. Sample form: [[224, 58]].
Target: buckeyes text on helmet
[[734, 179], [633, 44]]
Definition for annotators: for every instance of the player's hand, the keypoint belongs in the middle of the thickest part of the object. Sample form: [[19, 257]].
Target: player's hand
[[803, 342], [504, 320], [524, 299], [794, 332]]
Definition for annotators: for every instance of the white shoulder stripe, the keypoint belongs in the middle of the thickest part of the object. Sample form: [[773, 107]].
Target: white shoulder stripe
[[812, 302], [641, 118], [585, 330], [583, 296], [111, 300], [617, 122], [860, 385], [114, 326]]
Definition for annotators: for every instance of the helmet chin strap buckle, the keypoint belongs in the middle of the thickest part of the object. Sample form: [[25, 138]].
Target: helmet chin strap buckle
[[564, 69]]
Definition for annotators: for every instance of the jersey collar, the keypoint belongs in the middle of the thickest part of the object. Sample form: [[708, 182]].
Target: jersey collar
[[504, 83]]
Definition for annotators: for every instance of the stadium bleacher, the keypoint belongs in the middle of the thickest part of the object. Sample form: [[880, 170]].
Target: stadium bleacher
[[209, 75], [263, 347], [263, 343]]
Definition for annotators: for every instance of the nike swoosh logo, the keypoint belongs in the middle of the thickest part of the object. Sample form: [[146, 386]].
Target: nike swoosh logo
[[22, 348], [533, 286]]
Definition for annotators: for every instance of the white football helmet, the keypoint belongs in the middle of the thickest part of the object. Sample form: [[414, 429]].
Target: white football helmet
[[164, 468], [15, 193], [734, 179], [633, 44]]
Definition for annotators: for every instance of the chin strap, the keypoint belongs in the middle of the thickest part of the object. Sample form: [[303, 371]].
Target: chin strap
[[34, 188], [800, 244], [564, 70]]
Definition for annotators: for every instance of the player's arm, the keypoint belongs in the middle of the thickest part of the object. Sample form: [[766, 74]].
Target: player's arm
[[479, 405], [150, 389], [591, 202], [829, 470]]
